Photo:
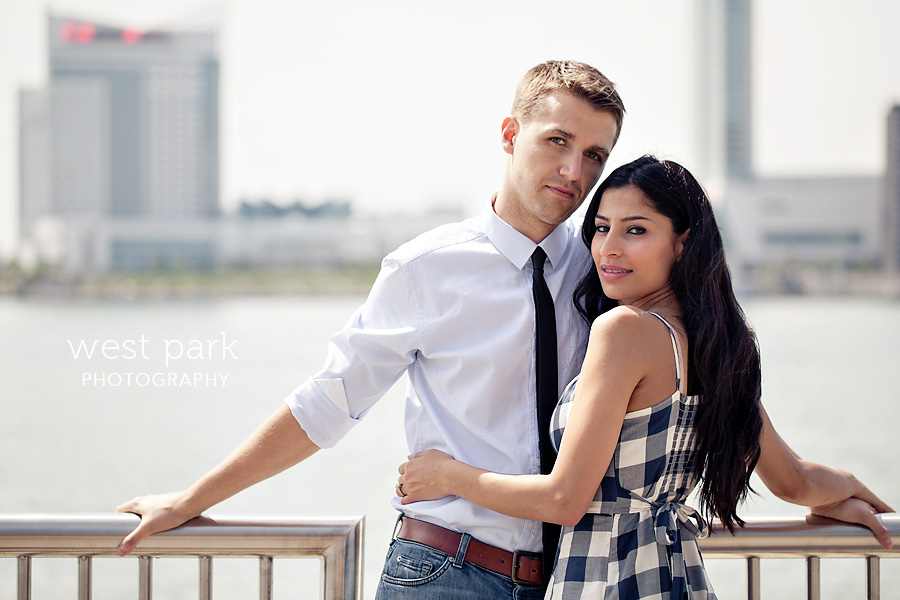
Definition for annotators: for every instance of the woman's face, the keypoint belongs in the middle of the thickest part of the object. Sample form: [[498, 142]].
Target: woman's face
[[634, 246]]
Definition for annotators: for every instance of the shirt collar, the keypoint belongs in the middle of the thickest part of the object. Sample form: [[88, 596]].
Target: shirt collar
[[517, 247]]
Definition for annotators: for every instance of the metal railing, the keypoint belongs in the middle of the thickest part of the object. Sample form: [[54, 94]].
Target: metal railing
[[337, 541], [808, 537]]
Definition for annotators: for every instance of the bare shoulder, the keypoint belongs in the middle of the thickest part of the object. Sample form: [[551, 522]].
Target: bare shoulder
[[629, 334], [635, 346], [625, 321], [621, 342]]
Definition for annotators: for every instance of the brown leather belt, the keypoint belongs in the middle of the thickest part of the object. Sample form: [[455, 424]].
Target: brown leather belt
[[522, 567]]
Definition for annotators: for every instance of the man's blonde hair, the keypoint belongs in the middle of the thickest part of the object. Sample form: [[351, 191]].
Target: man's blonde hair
[[579, 79]]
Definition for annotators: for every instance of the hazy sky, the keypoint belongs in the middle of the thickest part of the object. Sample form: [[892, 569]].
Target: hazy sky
[[397, 105]]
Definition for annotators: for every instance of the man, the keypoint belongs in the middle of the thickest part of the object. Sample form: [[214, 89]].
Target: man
[[455, 310]]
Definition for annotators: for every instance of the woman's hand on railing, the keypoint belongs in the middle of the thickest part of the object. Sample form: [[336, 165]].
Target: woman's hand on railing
[[862, 512], [159, 512]]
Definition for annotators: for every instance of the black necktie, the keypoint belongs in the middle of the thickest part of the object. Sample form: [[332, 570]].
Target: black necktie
[[546, 373]]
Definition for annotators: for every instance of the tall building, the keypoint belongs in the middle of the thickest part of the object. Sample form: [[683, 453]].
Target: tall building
[[725, 116], [892, 194], [779, 231], [127, 128]]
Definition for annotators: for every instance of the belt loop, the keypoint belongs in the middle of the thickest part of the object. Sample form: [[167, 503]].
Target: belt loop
[[397, 526], [460, 557]]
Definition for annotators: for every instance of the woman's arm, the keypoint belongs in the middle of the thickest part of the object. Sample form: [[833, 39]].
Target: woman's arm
[[804, 482], [830, 492], [592, 432]]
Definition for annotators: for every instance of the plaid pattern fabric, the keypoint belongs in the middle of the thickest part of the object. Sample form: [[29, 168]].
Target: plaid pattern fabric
[[638, 539]]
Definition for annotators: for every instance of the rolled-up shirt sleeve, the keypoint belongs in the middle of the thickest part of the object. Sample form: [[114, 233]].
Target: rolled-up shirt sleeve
[[364, 360]]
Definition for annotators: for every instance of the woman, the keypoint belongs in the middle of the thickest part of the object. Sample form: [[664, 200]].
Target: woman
[[668, 398]]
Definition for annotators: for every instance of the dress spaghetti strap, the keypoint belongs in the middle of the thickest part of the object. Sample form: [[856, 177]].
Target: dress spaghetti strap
[[674, 349]]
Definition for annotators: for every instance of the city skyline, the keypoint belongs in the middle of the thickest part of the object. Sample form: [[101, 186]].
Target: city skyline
[[403, 116]]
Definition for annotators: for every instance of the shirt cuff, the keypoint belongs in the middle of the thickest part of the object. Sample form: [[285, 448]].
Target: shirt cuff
[[320, 407]]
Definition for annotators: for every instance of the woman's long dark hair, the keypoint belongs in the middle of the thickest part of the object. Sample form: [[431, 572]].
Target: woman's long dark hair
[[723, 357]]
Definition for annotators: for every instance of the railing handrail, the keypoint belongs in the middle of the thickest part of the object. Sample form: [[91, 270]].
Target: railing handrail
[[799, 536], [99, 534], [60, 534], [338, 541]]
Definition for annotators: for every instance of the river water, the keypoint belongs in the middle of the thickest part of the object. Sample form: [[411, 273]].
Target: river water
[[102, 401]]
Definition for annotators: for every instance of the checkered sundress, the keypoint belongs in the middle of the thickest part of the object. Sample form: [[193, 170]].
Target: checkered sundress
[[638, 540]]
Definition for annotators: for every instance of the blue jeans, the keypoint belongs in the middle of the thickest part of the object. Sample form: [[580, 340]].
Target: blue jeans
[[413, 570]]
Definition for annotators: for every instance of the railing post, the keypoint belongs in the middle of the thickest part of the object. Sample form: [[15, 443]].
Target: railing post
[[205, 578], [84, 578], [145, 578], [23, 590], [813, 580], [266, 577], [327, 588], [873, 578], [753, 591], [342, 569]]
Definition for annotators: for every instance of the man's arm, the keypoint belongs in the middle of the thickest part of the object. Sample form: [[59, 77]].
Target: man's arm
[[364, 360], [276, 445]]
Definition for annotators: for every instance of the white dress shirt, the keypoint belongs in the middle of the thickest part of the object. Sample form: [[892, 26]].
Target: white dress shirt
[[453, 309]]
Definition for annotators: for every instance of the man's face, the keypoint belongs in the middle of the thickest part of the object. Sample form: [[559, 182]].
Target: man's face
[[556, 157]]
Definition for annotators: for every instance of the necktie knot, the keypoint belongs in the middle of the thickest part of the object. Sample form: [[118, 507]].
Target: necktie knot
[[537, 259]]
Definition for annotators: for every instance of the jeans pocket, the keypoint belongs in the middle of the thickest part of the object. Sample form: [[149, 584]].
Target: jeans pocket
[[410, 563]]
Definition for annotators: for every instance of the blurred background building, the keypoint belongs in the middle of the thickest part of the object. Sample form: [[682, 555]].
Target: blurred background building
[[724, 88], [119, 167], [119, 171], [120, 150], [784, 234], [892, 195]]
